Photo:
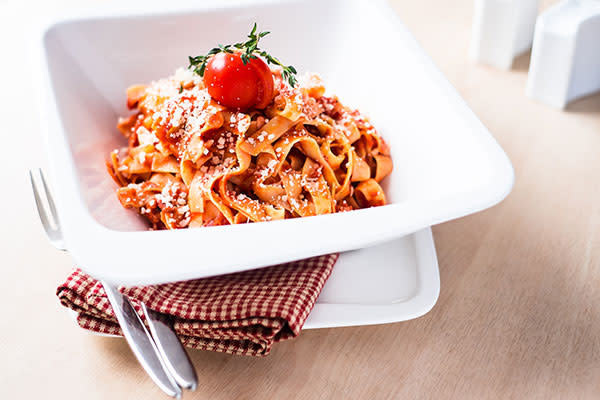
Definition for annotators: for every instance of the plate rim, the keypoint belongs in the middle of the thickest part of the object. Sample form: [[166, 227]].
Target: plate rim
[[336, 315]]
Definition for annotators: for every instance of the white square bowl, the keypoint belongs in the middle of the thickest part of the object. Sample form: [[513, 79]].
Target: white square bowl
[[446, 164]]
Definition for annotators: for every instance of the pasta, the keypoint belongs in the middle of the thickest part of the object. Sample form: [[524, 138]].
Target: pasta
[[191, 162]]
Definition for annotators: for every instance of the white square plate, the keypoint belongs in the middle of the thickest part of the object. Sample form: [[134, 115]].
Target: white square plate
[[392, 282], [446, 164]]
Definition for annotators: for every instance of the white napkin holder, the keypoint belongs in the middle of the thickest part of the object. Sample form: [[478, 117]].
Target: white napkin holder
[[502, 30], [565, 59]]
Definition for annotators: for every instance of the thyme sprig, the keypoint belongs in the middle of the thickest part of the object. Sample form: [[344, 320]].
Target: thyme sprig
[[249, 50]]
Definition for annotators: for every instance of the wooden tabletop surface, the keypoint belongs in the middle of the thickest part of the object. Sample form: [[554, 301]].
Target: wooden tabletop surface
[[519, 310]]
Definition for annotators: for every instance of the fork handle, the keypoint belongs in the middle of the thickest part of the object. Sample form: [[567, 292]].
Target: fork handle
[[140, 341], [171, 350]]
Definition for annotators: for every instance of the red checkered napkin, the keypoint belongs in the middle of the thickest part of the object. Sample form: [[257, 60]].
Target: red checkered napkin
[[242, 313]]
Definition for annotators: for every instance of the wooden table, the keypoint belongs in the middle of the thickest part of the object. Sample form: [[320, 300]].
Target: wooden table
[[519, 310]]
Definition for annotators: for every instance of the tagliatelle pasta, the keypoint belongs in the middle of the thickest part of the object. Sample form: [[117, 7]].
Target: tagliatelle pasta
[[191, 162]]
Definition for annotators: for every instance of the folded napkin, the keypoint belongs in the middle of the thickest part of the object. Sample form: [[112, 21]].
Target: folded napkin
[[241, 313]]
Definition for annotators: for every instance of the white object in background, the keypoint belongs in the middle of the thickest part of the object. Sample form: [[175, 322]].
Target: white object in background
[[565, 59], [502, 29]]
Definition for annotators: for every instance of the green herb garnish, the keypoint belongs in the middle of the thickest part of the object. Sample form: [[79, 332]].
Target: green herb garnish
[[249, 50]]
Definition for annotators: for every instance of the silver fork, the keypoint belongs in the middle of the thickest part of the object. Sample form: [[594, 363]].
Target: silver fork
[[160, 353]]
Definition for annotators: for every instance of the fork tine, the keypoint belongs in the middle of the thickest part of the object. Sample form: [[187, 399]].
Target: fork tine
[[50, 202], [40, 204]]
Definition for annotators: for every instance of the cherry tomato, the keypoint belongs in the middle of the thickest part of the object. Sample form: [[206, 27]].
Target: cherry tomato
[[235, 85], [266, 87]]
